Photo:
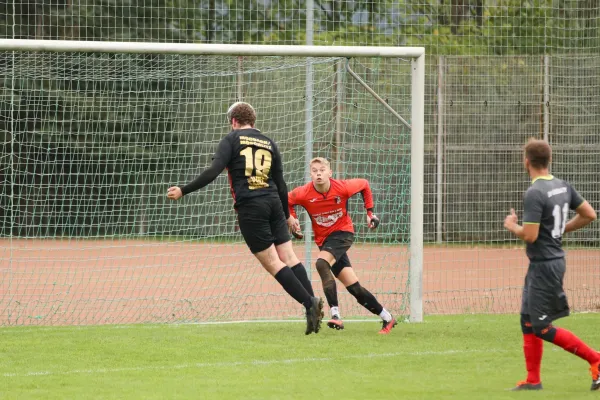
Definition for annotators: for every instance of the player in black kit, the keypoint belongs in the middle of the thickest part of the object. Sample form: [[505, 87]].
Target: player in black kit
[[546, 209], [260, 198]]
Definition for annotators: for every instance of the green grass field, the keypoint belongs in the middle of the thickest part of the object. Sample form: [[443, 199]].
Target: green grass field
[[457, 357]]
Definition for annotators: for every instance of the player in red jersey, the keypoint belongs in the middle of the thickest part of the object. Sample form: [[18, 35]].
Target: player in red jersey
[[325, 200]]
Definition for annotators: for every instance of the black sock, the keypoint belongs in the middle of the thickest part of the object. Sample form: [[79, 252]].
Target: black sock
[[328, 281], [292, 285], [300, 273], [365, 298], [330, 290]]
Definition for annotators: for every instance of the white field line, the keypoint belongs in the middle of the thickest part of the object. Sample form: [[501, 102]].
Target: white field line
[[242, 363]]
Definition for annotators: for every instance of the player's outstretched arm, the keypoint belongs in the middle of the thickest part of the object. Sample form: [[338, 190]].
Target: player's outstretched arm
[[206, 177], [220, 161], [585, 215]]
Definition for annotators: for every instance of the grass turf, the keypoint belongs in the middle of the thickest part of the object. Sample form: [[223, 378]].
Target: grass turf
[[450, 357]]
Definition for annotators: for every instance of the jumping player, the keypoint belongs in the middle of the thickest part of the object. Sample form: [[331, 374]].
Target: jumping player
[[546, 206], [325, 200], [260, 198]]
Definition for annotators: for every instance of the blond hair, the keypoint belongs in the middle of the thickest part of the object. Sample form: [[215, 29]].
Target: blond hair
[[321, 160]]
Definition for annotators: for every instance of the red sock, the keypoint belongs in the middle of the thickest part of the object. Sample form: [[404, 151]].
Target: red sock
[[533, 348], [573, 344]]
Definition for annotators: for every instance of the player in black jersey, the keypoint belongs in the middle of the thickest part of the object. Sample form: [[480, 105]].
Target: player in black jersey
[[546, 209], [260, 198]]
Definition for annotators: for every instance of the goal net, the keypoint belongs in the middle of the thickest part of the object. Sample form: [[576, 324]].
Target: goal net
[[92, 140]]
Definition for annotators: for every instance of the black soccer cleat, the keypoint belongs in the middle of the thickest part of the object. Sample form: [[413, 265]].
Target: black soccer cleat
[[314, 316], [387, 326], [594, 370], [524, 385], [336, 323]]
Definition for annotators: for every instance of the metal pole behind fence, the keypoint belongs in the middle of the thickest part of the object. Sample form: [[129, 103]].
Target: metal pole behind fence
[[546, 105], [440, 154], [308, 128]]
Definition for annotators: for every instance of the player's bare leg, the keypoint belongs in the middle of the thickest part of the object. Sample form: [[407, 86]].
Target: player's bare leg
[[286, 278], [366, 299], [286, 253], [324, 262]]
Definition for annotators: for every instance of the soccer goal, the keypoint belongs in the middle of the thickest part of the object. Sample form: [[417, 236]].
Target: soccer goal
[[95, 132]]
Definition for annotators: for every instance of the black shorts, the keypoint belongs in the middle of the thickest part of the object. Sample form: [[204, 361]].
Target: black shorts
[[544, 298], [262, 223], [338, 244]]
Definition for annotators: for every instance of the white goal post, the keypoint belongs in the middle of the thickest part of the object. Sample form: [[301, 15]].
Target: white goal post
[[415, 119]]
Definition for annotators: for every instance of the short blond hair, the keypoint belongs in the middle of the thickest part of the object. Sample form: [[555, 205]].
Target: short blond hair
[[321, 160]]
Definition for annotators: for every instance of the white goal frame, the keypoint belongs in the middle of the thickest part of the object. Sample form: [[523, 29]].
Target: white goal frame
[[417, 55]]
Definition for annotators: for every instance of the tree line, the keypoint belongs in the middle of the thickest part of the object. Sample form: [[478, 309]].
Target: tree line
[[445, 26]]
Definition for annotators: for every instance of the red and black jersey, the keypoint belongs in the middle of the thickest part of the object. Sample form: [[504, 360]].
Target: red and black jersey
[[328, 211]]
